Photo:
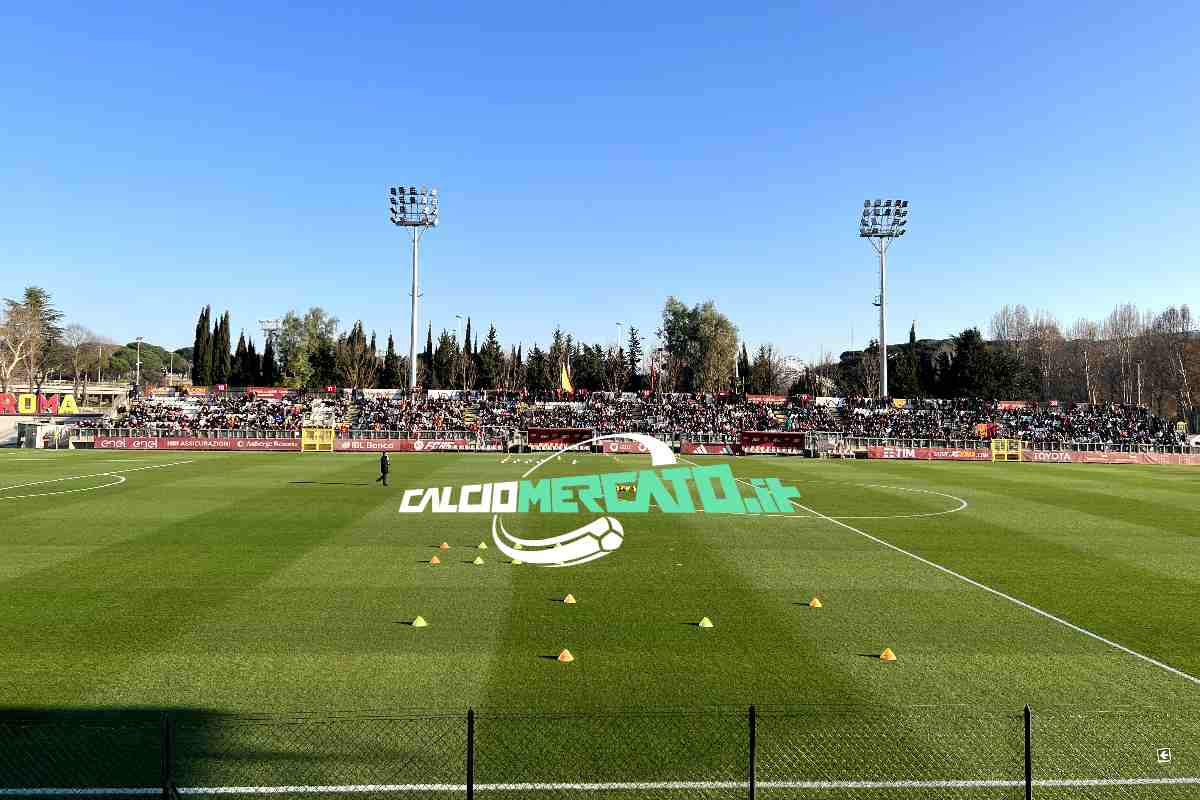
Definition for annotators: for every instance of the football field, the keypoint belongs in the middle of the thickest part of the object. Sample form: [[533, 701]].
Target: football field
[[286, 584]]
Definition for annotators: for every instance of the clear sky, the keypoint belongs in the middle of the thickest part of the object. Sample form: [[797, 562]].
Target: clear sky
[[594, 158]]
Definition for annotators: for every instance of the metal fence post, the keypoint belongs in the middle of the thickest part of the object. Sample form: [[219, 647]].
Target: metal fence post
[[168, 756], [753, 752], [1028, 755], [470, 754]]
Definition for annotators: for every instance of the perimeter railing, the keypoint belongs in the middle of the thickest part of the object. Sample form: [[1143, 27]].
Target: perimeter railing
[[807, 751]]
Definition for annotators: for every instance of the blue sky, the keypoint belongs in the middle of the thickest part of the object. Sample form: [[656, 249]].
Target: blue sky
[[594, 158]]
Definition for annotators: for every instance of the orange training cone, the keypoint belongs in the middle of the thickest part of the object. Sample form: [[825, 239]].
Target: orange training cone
[[887, 655], [444, 546], [815, 603], [433, 562], [569, 599], [565, 657]]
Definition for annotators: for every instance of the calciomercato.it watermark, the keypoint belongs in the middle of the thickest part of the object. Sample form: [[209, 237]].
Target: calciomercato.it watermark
[[667, 486]]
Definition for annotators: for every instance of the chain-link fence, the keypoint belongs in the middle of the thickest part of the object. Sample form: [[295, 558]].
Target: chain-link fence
[[811, 752]]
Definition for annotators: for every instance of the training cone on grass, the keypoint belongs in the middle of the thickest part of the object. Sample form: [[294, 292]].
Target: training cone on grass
[[816, 603], [705, 623], [565, 657], [517, 546], [420, 622], [478, 561], [569, 599], [433, 562], [481, 546], [516, 562], [444, 546], [887, 655]]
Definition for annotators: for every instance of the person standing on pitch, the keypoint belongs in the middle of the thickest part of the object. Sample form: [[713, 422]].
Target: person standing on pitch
[[384, 464]]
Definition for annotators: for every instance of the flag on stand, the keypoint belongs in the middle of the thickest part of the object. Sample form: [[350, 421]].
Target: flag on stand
[[566, 380]]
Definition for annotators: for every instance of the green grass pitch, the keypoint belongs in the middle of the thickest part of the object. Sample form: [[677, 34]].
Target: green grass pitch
[[283, 584]]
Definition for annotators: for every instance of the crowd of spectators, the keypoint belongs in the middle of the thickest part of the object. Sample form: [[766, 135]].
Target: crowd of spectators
[[674, 415], [228, 412]]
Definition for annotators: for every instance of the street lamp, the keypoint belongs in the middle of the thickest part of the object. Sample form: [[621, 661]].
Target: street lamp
[[417, 211], [881, 222]]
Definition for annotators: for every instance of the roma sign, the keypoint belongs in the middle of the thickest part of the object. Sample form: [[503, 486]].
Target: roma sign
[[37, 404]]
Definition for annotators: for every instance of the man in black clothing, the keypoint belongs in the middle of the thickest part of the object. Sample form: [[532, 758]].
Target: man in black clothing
[[384, 464]]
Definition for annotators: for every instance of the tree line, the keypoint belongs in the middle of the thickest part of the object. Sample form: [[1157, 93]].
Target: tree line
[[697, 353], [1129, 356], [36, 345]]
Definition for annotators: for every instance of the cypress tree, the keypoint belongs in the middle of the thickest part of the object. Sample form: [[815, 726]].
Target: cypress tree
[[391, 367], [197, 348], [251, 366], [222, 366], [269, 374], [204, 378], [238, 378]]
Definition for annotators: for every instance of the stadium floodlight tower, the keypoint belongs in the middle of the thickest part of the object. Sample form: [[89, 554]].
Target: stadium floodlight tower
[[417, 211], [882, 221]]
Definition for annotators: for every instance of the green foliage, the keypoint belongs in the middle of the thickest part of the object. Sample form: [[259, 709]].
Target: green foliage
[[702, 346], [390, 378], [491, 359]]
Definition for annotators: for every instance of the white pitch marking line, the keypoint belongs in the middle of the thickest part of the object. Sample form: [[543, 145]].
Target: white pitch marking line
[[1155, 662], [113, 473]]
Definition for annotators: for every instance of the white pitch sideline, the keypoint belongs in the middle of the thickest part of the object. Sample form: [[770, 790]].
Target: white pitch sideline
[[401, 788]]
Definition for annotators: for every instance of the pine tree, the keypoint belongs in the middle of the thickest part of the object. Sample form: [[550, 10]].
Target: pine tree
[[467, 340], [744, 365], [390, 379], [489, 361], [238, 377], [225, 351], [633, 355]]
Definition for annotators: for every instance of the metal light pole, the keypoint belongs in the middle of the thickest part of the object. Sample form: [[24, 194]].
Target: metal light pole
[[882, 221], [416, 211]]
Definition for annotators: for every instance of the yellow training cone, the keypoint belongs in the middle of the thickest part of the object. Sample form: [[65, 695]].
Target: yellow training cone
[[815, 603], [516, 563], [705, 623], [565, 656], [482, 546], [478, 560], [569, 599], [517, 546], [420, 622], [444, 546], [433, 562], [887, 655]]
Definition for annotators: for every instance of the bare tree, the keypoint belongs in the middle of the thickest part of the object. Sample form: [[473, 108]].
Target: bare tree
[[1176, 352], [77, 341], [1044, 346], [1085, 340], [1121, 330], [13, 341]]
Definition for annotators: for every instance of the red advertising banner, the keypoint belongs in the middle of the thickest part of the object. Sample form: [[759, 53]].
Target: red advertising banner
[[768, 399], [1090, 457], [557, 438], [268, 392], [403, 445], [772, 442], [197, 391], [183, 443], [707, 449], [928, 453], [622, 446], [1012, 405]]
